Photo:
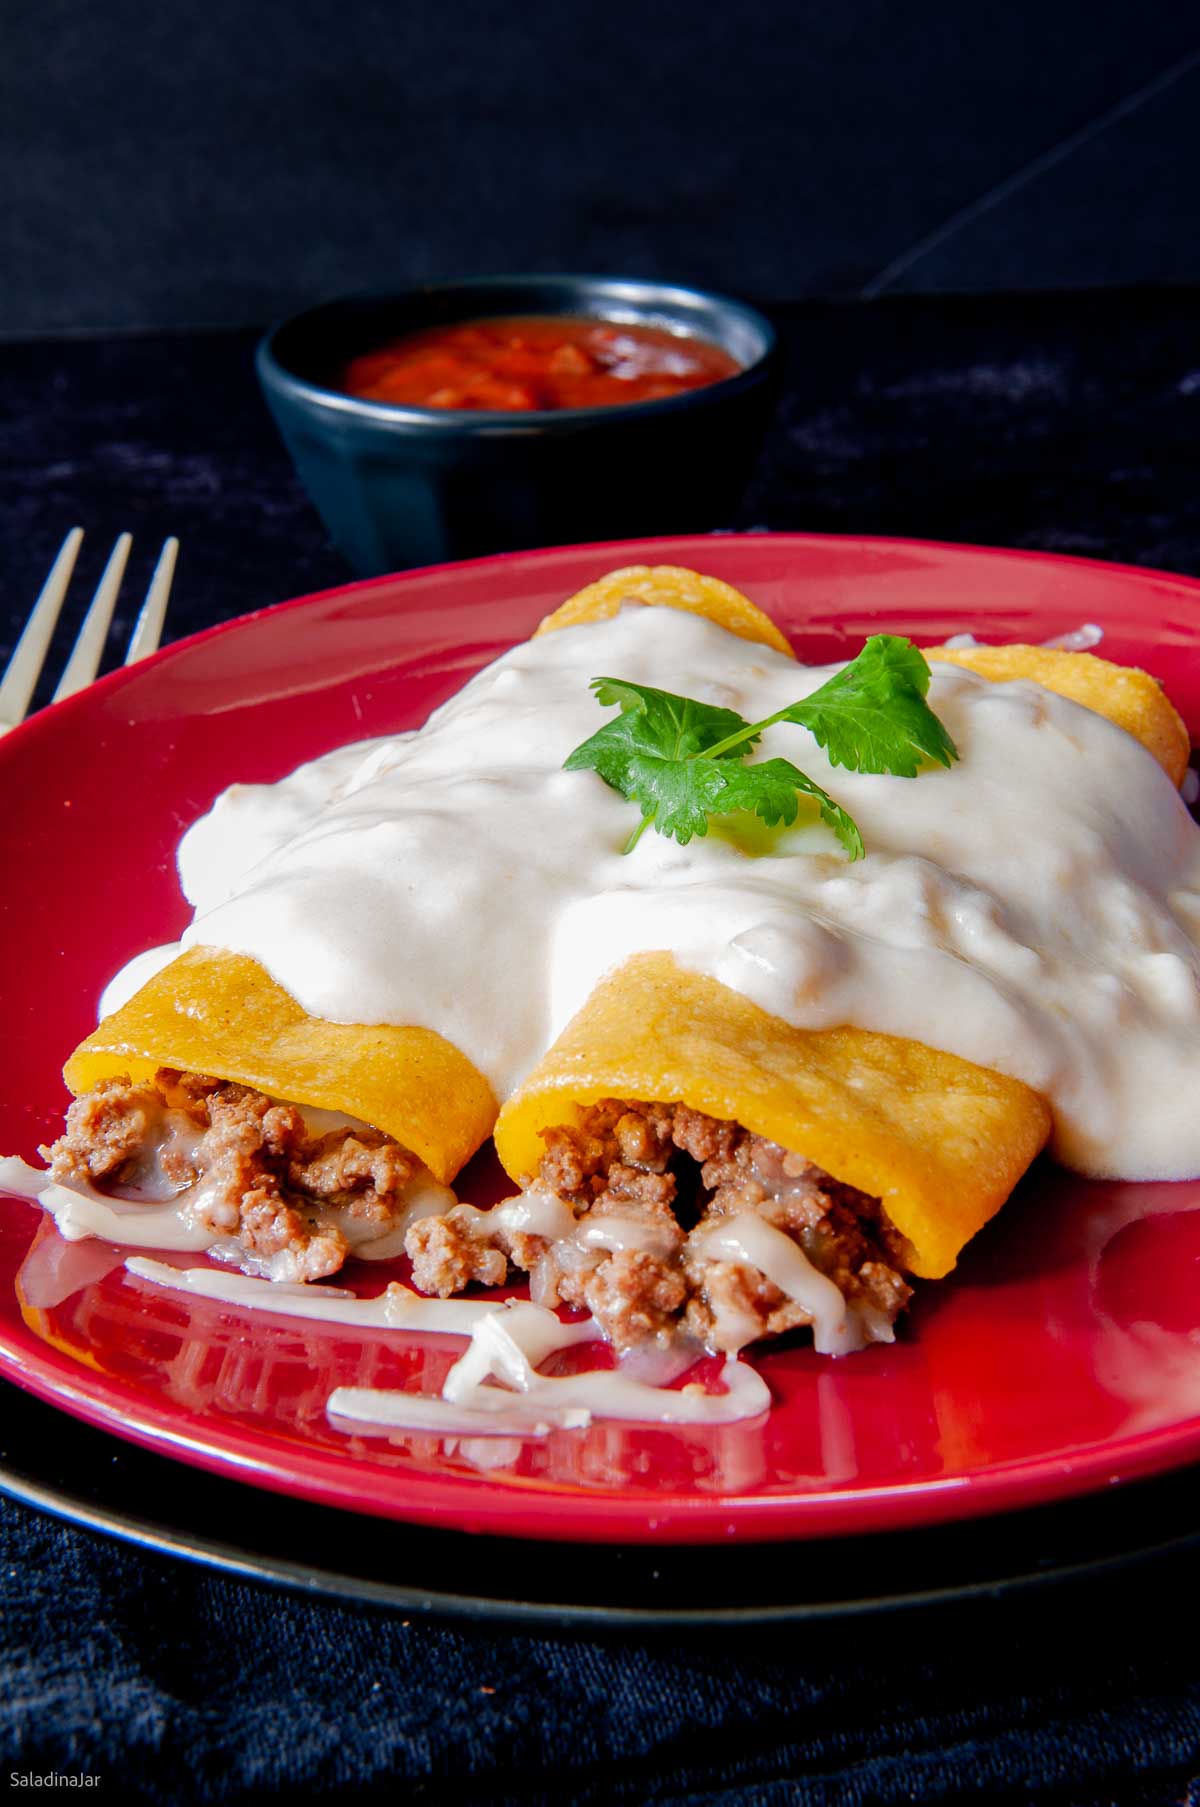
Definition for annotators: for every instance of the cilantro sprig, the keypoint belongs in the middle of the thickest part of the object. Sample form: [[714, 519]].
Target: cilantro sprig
[[683, 762]]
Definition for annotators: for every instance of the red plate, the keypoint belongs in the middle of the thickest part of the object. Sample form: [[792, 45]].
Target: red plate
[[1064, 1353]]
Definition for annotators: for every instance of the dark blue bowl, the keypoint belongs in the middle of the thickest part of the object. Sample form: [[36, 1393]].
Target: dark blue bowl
[[399, 486]]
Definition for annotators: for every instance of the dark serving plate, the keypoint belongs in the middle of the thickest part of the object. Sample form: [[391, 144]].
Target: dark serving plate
[[83, 1476]]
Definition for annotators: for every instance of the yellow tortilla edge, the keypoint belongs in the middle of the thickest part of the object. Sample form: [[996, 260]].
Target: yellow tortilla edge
[[940, 1141], [219, 1013], [668, 586]]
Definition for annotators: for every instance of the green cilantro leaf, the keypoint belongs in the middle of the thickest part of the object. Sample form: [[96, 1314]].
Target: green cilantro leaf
[[649, 752], [658, 722], [872, 716], [683, 761], [770, 789]]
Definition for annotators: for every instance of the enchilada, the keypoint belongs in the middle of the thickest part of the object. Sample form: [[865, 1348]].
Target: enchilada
[[879, 1052]]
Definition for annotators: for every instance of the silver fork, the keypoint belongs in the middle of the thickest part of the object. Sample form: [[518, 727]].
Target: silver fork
[[24, 668]]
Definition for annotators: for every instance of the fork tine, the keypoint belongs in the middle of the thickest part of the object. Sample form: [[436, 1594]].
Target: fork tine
[[29, 655], [88, 650], [148, 630]]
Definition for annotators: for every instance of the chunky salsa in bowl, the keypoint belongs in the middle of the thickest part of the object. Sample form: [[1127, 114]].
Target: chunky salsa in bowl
[[507, 412], [537, 363]]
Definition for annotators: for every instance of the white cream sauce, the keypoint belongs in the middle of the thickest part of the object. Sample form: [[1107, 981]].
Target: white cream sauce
[[538, 1212], [396, 1308], [610, 1233], [753, 1242], [495, 1389], [79, 1210], [1079, 639], [1034, 909], [150, 1215]]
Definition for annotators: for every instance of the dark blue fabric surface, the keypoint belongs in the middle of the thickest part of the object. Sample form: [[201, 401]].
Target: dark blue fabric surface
[[176, 1685], [1061, 422]]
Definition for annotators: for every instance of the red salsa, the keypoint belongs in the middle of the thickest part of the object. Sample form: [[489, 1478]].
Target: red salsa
[[519, 365]]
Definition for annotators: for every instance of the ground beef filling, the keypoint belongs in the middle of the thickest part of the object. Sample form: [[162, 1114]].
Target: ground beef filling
[[283, 1199], [644, 1182]]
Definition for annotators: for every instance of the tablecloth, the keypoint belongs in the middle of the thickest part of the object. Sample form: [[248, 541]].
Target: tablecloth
[[1069, 422]]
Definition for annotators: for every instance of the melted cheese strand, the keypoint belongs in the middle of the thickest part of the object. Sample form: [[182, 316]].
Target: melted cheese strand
[[397, 1308], [508, 1349], [751, 1240]]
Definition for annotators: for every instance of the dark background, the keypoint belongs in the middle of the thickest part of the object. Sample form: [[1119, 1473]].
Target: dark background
[[225, 162]]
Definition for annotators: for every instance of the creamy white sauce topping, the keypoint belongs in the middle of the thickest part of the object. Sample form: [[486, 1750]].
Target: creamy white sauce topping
[[150, 1214], [538, 1212], [753, 1242], [79, 1210], [1034, 909], [610, 1233], [494, 1389], [396, 1308], [1079, 639]]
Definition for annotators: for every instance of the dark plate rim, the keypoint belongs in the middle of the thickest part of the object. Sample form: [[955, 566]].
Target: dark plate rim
[[161, 1535]]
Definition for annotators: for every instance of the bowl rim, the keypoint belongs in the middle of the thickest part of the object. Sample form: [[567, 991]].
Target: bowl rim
[[276, 375]]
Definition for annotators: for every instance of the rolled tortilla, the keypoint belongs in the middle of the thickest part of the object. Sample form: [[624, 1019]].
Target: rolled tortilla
[[222, 1014], [939, 1141], [1129, 698], [672, 587]]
